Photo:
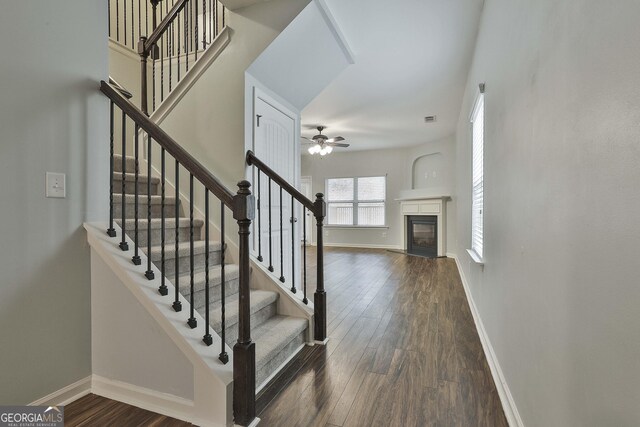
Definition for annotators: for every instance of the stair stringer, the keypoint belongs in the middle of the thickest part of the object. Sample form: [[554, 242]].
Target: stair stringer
[[119, 368]]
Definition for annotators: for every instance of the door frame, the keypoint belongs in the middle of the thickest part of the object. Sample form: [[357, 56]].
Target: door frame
[[250, 125], [256, 91]]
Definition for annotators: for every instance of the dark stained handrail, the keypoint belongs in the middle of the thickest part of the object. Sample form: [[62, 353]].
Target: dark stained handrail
[[172, 147], [164, 25], [120, 88], [253, 160]]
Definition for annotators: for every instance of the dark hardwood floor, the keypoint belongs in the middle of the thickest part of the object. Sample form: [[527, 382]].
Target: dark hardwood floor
[[403, 351], [93, 410]]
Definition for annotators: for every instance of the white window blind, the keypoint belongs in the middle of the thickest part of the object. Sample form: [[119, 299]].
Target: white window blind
[[477, 197], [358, 201]]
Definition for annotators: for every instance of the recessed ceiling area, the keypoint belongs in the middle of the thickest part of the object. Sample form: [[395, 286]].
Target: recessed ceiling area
[[411, 60]]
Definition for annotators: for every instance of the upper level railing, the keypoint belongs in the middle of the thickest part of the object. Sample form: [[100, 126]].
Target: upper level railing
[[176, 33], [318, 209]]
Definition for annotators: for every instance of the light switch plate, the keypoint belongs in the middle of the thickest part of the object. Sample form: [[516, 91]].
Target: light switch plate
[[56, 186]]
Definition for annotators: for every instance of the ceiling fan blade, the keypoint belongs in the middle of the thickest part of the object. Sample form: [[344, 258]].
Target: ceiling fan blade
[[308, 139], [337, 144], [336, 139]]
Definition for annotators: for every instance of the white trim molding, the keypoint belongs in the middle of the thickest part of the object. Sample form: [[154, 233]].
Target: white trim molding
[[337, 32], [361, 245], [66, 394], [179, 91], [426, 206], [151, 400], [506, 398]]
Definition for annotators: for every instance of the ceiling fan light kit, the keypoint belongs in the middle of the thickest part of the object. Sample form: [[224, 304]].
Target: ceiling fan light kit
[[322, 144]]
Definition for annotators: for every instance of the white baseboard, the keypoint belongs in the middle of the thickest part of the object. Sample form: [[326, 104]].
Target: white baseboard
[[66, 394], [151, 400], [508, 404], [361, 245]]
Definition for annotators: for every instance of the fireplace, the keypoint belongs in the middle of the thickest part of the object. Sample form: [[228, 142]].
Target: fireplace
[[422, 235]]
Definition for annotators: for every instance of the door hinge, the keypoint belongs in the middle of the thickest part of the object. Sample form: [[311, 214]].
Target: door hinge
[[258, 119]]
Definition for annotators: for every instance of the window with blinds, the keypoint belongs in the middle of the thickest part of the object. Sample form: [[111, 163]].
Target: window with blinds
[[358, 201], [477, 193]]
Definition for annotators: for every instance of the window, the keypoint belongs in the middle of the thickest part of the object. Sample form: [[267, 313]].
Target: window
[[356, 201], [477, 180]]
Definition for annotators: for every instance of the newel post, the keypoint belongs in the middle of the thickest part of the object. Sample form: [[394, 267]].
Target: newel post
[[244, 351], [320, 296], [144, 55]]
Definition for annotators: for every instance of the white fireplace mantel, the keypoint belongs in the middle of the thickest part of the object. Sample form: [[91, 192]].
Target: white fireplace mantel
[[427, 206]]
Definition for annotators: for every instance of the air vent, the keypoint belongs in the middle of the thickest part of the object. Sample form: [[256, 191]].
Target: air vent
[[430, 119]]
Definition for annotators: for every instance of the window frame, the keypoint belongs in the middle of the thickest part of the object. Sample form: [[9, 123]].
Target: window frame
[[477, 224], [355, 202]]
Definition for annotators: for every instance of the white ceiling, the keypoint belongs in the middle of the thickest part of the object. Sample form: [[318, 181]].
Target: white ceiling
[[411, 60]]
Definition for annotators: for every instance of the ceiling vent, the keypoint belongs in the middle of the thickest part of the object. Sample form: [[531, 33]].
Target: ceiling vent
[[430, 119]]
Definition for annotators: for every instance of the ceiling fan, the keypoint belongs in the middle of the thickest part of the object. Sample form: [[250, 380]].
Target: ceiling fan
[[322, 144]]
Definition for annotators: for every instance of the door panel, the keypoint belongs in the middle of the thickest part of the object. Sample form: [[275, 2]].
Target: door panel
[[274, 145]]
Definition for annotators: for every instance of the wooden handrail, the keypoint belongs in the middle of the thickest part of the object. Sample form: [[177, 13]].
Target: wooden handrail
[[172, 147], [253, 160], [120, 88], [163, 26]]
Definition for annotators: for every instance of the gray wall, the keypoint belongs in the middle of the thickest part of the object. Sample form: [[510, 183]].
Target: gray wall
[[52, 119], [559, 294], [396, 164]]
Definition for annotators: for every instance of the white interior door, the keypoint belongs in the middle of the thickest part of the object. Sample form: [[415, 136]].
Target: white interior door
[[274, 144], [307, 189]]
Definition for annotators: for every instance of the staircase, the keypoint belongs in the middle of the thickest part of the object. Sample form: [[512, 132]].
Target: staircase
[[154, 220], [277, 337]]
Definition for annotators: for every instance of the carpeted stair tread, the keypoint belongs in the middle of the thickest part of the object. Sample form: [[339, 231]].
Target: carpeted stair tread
[[130, 163], [142, 199], [231, 272], [199, 247], [156, 223], [274, 335], [131, 177], [259, 300]]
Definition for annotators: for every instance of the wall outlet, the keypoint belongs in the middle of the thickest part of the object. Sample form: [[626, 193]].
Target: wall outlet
[[56, 186]]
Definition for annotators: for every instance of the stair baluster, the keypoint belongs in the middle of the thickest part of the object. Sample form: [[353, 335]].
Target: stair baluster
[[270, 268], [177, 305], [304, 255], [224, 357], [281, 241], [194, 47], [204, 24], [123, 243], [163, 287], [207, 339], [293, 247], [111, 232], [192, 319], [136, 256], [149, 273], [259, 220]]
